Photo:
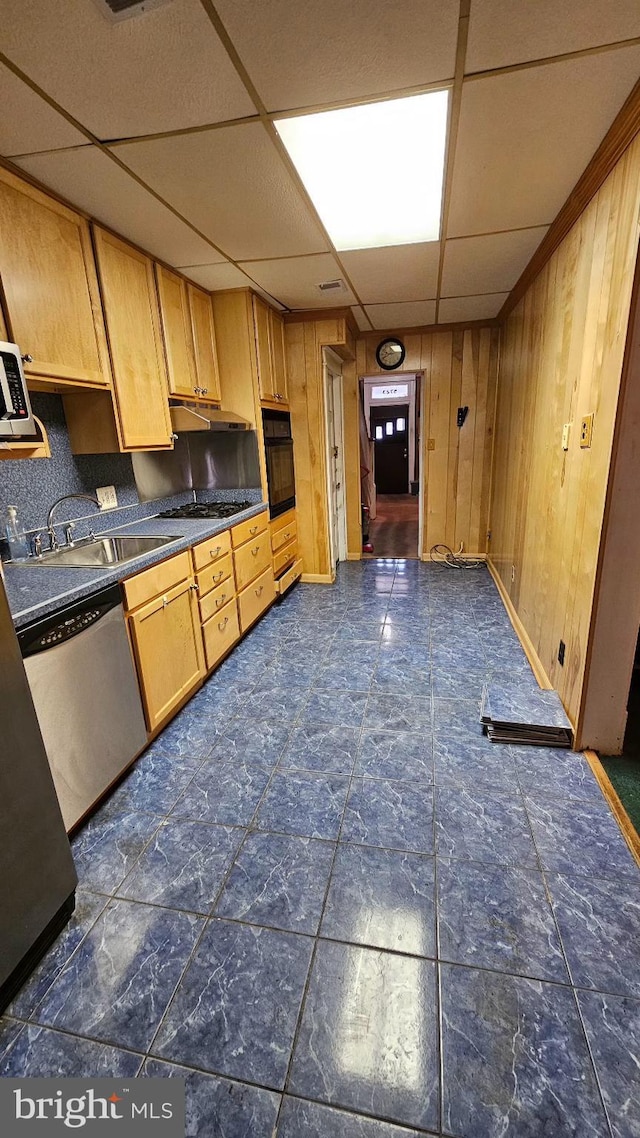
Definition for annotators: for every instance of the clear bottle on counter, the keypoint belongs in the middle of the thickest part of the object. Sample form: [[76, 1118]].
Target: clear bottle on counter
[[16, 537]]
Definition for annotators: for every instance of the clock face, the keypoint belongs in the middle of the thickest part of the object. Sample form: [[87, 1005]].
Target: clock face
[[390, 354]]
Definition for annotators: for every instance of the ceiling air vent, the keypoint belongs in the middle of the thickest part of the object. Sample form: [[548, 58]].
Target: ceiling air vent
[[124, 9], [333, 286]]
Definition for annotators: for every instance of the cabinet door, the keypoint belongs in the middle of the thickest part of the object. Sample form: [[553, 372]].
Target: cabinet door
[[207, 374], [168, 647], [50, 287], [278, 358], [178, 338], [263, 348], [133, 325]]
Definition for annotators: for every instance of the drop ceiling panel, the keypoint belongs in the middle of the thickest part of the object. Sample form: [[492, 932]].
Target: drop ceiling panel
[[299, 54], [525, 137], [396, 272], [27, 122], [232, 184], [457, 309], [501, 32], [294, 281], [90, 180], [159, 71], [474, 265], [411, 315], [215, 277]]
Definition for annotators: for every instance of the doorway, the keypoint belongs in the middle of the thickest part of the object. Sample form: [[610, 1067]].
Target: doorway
[[392, 414], [390, 433]]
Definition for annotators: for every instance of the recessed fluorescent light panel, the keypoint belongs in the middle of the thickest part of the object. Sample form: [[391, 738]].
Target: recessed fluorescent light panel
[[375, 172]]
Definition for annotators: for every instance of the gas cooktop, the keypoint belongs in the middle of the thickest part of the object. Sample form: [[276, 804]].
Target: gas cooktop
[[206, 510]]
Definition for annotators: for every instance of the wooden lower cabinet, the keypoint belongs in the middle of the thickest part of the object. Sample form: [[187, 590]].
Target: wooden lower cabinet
[[220, 633], [251, 559], [167, 644], [253, 600], [284, 545]]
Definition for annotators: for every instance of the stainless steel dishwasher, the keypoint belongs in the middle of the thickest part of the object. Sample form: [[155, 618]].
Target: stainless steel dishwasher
[[85, 690]]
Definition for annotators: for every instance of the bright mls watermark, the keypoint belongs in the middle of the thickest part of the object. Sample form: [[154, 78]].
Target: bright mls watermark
[[131, 1108]]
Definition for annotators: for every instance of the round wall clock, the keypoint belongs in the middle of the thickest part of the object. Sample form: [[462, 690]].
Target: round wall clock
[[390, 353]]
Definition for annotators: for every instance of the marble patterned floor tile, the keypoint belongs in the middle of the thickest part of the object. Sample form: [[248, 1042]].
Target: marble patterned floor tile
[[300, 1118], [383, 898], [298, 651], [459, 762], [302, 803], [282, 704], [458, 685], [183, 866], [555, 771], [459, 717], [579, 837], [515, 1060], [398, 713], [38, 1052], [410, 654], [313, 633], [117, 985], [105, 849], [153, 785], [399, 755], [87, 910], [348, 674], [227, 793], [371, 608], [465, 656], [405, 680], [336, 708], [284, 673], [359, 629], [243, 741], [191, 734], [368, 1036], [508, 658], [613, 1029], [220, 1108], [364, 651], [600, 928], [477, 825], [393, 815], [278, 881], [236, 1007], [493, 916], [321, 748]]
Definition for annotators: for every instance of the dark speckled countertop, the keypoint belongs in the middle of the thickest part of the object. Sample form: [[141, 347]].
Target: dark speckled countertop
[[36, 590]]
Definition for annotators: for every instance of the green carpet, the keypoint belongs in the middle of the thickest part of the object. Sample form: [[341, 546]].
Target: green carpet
[[624, 770]]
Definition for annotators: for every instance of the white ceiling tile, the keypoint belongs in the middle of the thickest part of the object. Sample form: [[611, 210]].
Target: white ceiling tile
[[163, 70], [501, 32], [27, 122], [525, 138], [90, 180], [232, 184], [414, 314], [364, 324], [294, 280], [455, 309], [493, 263], [300, 54], [396, 272], [216, 276]]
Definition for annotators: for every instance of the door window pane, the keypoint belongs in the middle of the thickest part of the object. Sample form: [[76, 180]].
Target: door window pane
[[379, 432], [400, 424], [389, 428]]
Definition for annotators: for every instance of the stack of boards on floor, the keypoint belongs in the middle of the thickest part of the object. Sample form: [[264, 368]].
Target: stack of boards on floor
[[511, 714]]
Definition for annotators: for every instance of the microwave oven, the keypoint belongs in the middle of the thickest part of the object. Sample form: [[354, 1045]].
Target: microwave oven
[[16, 417]]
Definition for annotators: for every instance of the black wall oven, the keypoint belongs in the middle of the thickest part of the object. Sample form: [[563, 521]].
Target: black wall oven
[[279, 455]]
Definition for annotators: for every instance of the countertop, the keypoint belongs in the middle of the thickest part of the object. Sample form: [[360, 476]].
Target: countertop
[[36, 590]]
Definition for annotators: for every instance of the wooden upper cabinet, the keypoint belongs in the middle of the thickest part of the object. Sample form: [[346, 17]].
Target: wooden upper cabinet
[[269, 333], [50, 288], [204, 339], [178, 338], [133, 325]]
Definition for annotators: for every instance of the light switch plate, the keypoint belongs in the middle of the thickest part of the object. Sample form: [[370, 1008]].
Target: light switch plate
[[107, 497], [586, 431]]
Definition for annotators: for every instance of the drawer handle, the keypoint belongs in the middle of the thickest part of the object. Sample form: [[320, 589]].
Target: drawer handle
[[220, 601], [256, 551], [216, 551], [218, 576], [258, 592], [287, 535], [195, 587], [222, 624], [254, 529]]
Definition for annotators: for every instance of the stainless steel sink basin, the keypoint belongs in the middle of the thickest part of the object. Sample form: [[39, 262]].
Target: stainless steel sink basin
[[98, 552]]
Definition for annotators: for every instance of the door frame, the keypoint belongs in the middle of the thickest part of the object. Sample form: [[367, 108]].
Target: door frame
[[332, 379]]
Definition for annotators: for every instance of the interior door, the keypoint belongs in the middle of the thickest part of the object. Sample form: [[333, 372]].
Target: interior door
[[390, 432], [335, 462]]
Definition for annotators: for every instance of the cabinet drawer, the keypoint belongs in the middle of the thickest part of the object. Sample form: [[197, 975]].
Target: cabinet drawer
[[220, 633], [216, 599], [254, 600], [287, 579], [214, 574], [211, 549], [252, 559], [246, 530], [283, 536], [284, 556], [146, 585]]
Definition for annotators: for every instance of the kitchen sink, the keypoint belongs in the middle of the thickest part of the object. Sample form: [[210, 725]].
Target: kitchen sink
[[100, 551]]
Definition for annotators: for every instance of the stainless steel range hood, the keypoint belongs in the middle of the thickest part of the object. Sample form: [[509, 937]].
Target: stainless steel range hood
[[184, 418]]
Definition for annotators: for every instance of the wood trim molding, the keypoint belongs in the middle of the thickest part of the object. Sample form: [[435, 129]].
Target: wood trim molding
[[520, 631], [620, 135], [318, 578], [617, 809]]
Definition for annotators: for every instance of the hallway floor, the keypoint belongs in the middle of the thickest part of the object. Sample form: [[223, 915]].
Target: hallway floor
[[337, 910], [394, 532]]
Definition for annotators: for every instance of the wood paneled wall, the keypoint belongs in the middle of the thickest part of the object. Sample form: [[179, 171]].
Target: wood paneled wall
[[561, 359], [459, 369]]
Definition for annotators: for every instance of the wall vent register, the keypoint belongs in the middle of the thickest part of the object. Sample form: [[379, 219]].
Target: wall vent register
[[116, 10]]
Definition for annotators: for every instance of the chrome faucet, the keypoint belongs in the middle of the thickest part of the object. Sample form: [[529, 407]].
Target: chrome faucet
[[53, 541]]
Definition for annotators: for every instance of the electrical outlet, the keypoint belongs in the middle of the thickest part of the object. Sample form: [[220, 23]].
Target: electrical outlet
[[107, 497], [566, 431], [561, 651], [513, 572], [586, 431]]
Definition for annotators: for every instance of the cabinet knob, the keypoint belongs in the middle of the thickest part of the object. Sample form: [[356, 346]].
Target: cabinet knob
[[165, 602], [27, 359], [222, 624], [287, 535]]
